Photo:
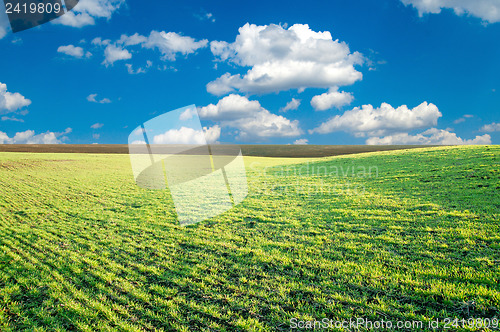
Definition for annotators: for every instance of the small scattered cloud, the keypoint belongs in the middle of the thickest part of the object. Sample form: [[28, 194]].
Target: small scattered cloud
[[98, 41], [463, 118], [139, 70], [301, 141], [373, 60], [96, 136], [169, 44], [490, 128], [16, 41], [97, 126], [30, 137], [9, 118], [292, 105], [74, 51], [132, 71], [93, 99], [204, 16]]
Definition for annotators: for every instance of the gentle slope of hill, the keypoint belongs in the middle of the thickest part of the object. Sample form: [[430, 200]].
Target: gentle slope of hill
[[398, 235]]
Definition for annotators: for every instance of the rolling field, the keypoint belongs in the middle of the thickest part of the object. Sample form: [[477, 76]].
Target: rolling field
[[285, 151], [410, 235]]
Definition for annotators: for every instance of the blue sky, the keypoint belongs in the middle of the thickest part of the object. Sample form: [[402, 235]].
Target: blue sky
[[351, 72]]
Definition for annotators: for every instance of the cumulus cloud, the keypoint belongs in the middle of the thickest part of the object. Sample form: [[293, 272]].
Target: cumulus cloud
[[331, 99], [283, 59], [11, 102], [431, 136], [186, 135], [492, 127], [292, 105], [92, 99], [87, 11], [301, 141], [229, 108], [487, 10], [74, 51], [114, 53], [29, 137], [250, 119], [370, 121]]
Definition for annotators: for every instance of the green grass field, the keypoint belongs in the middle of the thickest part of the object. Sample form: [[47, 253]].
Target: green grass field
[[410, 235]]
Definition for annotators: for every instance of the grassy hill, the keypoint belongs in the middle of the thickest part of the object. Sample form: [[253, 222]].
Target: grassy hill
[[409, 235]]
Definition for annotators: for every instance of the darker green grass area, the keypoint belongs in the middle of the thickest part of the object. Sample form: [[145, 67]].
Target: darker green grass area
[[401, 235]]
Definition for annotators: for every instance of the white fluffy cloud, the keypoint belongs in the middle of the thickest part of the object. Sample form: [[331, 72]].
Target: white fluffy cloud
[[114, 53], [487, 10], [87, 11], [283, 59], [229, 108], [250, 119], [331, 99], [29, 137], [492, 127], [431, 136], [74, 51], [11, 102], [387, 125], [97, 126], [292, 105], [370, 121], [186, 135]]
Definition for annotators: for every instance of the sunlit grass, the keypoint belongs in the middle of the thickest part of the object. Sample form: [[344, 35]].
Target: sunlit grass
[[83, 248]]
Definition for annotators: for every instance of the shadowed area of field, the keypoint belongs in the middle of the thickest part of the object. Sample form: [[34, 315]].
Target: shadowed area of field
[[282, 151]]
